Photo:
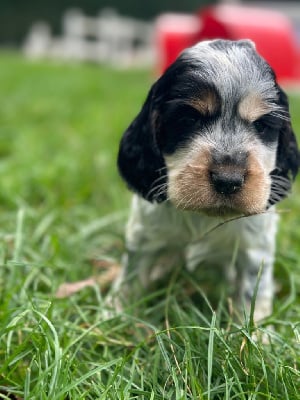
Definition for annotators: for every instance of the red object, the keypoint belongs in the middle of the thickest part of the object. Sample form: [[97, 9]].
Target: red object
[[174, 33], [271, 31]]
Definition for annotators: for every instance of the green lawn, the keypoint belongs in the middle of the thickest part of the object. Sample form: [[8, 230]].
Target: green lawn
[[62, 212]]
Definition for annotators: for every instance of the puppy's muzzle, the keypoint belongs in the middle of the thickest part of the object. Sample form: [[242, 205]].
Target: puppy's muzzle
[[227, 172]]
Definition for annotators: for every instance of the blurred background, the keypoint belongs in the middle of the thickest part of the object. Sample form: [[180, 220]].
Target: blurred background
[[117, 32], [17, 16]]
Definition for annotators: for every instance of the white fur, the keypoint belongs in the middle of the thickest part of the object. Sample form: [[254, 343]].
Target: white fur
[[158, 236]]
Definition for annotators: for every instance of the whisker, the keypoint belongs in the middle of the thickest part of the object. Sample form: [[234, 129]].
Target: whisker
[[281, 114], [280, 187], [158, 187], [280, 180], [161, 191], [159, 179], [188, 199], [161, 169]]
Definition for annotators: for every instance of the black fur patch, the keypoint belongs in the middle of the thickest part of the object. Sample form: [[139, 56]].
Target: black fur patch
[[287, 158], [140, 161]]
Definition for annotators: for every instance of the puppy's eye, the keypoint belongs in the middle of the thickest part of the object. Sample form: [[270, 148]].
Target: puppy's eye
[[188, 120], [268, 127], [186, 116], [260, 126]]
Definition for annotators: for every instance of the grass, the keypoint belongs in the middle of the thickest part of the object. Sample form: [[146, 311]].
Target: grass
[[62, 209]]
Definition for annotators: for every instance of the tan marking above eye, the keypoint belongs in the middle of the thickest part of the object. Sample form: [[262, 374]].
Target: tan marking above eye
[[206, 104], [252, 107]]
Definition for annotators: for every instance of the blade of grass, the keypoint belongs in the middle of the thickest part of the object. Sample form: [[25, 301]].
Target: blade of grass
[[210, 354]]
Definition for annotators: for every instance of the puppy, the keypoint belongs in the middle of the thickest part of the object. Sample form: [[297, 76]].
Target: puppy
[[212, 143]]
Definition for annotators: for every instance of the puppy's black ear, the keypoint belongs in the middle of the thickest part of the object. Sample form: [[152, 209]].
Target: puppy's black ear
[[288, 158], [140, 161]]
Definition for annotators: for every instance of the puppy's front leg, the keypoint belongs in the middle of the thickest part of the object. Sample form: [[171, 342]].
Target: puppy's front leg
[[255, 266], [152, 247]]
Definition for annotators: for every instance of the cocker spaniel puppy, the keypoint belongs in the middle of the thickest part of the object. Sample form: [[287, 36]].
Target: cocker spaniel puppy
[[212, 141]]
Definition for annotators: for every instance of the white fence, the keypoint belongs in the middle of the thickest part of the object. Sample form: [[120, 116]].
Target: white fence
[[107, 38]]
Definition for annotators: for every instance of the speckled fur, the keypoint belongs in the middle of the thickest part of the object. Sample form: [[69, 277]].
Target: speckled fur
[[216, 111]]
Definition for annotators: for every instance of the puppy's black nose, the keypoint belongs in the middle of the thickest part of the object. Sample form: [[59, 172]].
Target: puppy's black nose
[[227, 181]]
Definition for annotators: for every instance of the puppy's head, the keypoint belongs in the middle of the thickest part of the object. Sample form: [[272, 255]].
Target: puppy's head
[[213, 135]]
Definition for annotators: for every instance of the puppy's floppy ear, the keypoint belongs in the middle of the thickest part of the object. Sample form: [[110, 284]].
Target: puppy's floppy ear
[[287, 152], [140, 161], [288, 158]]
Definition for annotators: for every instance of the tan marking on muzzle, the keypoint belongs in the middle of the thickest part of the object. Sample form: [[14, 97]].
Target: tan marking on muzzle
[[190, 188]]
